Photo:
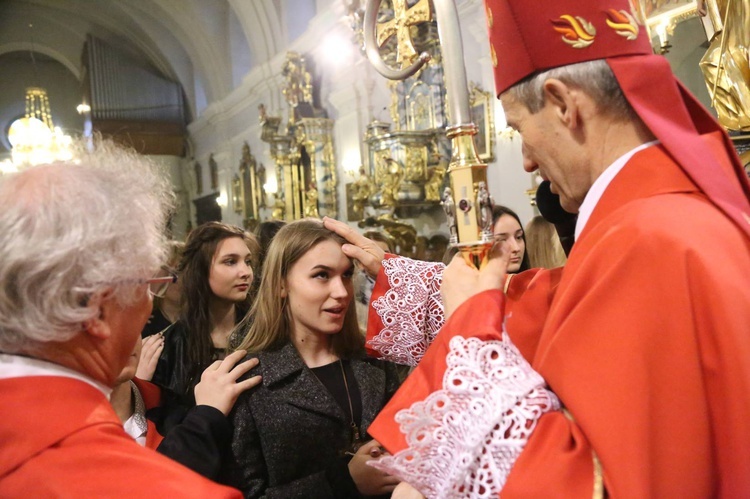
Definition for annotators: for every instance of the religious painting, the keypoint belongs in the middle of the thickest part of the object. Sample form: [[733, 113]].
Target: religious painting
[[214, 170], [481, 113], [237, 197], [248, 184]]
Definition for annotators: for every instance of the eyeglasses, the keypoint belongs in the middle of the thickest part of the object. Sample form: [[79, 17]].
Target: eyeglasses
[[157, 286]]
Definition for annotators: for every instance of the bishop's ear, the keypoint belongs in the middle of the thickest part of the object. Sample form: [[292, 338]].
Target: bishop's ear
[[564, 100]]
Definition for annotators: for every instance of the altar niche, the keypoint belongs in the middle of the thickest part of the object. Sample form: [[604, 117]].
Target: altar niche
[[303, 153]]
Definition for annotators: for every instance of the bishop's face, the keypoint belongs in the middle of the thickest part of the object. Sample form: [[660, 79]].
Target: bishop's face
[[549, 146]]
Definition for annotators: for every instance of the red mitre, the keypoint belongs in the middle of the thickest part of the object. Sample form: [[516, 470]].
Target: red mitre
[[527, 37]]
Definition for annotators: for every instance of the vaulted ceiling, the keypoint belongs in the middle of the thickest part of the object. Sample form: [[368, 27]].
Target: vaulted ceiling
[[205, 45]]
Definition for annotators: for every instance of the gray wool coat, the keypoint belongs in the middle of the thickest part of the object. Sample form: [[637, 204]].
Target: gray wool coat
[[289, 432]]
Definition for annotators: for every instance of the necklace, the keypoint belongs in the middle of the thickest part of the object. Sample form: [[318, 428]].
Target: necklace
[[355, 429]]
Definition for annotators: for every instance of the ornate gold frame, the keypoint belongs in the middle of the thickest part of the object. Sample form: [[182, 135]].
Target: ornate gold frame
[[482, 112], [238, 200]]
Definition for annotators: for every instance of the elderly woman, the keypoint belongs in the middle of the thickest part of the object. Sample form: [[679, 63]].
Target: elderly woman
[[81, 243]]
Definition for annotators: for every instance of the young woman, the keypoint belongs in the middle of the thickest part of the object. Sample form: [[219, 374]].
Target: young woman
[[299, 433], [507, 227], [216, 273]]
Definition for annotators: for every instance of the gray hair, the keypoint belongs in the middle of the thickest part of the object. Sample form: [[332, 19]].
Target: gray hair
[[71, 230], [595, 78]]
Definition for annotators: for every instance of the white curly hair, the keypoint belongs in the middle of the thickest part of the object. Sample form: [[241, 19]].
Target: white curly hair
[[74, 229]]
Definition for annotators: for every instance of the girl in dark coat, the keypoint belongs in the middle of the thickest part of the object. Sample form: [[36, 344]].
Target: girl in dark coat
[[301, 433]]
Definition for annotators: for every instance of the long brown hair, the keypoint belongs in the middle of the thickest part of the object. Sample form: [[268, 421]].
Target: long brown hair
[[269, 323], [195, 269]]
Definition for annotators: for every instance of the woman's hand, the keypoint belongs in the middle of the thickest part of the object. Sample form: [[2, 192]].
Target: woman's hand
[[151, 349], [219, 387], [370, 481]]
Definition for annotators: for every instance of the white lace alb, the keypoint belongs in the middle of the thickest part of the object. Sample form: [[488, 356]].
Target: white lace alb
[[411, 311], [464, 438]]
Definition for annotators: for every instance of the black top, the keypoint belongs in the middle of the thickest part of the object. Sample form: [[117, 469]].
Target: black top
[[331, 377], [156, 324]]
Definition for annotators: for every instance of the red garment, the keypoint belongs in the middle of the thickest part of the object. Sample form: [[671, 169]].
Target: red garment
[[61, 438], [475, 379], [646, 344]]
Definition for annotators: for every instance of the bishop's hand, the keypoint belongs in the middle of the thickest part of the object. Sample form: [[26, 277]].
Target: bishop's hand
[[461, 281]]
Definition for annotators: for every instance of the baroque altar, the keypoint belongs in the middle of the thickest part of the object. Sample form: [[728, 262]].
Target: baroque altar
[[303, 150]]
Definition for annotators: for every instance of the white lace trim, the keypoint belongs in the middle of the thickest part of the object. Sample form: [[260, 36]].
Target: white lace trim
[[464, 438], [411, 311]]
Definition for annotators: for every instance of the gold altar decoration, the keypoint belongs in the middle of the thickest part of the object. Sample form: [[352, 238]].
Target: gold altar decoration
[[467, 201], [482, 113], [404, 18], [358, 194], [303, 152], [404, 235], [237, 201], [726, 64], [407, 159], [247, 188]]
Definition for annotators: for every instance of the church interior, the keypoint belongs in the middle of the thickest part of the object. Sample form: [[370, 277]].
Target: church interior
[[270, 109]]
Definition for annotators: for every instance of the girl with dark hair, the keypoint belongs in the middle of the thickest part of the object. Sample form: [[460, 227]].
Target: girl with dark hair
[[216, 273], [319, 392], [506, 226]]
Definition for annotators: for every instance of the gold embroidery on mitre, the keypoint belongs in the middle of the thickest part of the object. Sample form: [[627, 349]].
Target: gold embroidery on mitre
[[623, 23], [494, 56], [490, 20], [576, 31]]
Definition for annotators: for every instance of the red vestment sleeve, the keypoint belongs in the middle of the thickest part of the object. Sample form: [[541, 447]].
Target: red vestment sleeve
[[464, 414]]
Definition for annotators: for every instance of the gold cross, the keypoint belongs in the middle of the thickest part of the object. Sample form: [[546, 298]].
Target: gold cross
[[403, 18]]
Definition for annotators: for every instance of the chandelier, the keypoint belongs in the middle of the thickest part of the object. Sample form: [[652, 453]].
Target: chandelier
[[34, 138]]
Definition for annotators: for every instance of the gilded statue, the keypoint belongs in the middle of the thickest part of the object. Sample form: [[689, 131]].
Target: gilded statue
[[416, 159], [485, 204], [278, 209], [298, 80], [260, 174], [449, 206], [433, 184], [311, 202], [362, 189], [392, 174], [726, 64]]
